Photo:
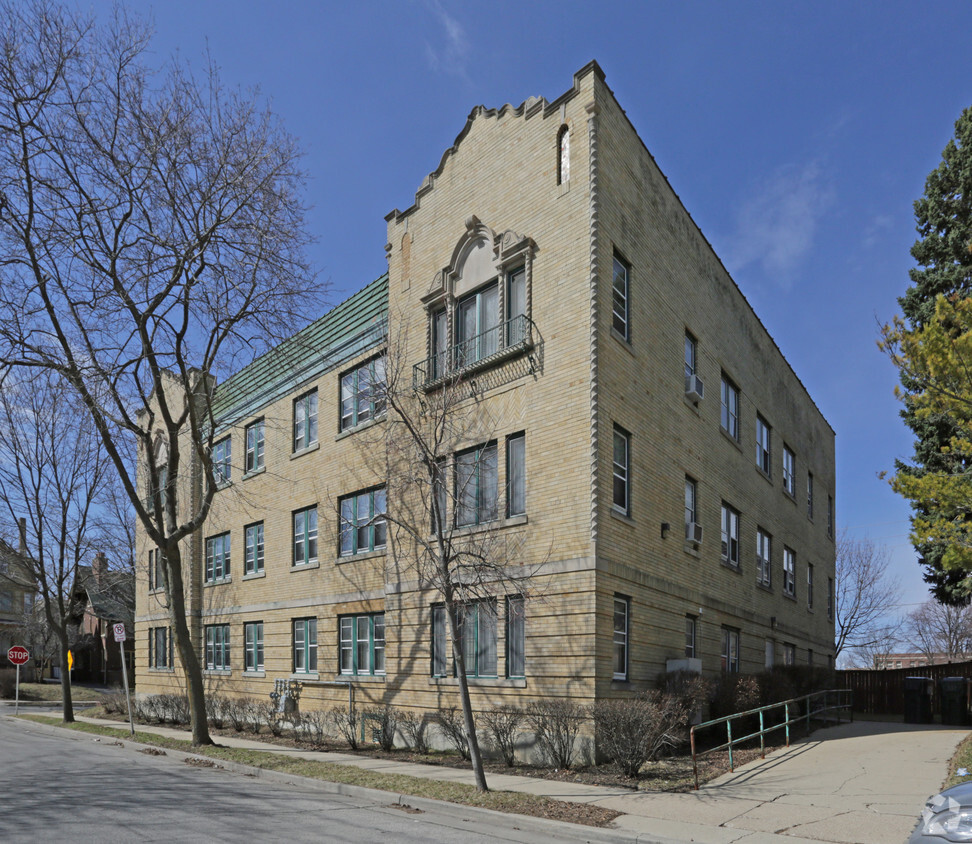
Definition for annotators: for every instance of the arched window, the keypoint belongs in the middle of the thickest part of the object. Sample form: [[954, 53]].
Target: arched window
[[563, 155]]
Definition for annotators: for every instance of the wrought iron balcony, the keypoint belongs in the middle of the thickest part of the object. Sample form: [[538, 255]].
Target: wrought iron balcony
[[495, 345]]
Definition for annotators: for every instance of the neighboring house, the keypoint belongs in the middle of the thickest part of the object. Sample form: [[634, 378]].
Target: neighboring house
[[640, 442], [914, 660], [17, 593], [101, 598]]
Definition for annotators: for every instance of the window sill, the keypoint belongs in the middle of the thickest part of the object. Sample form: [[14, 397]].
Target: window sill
[[790, 597], [161, 670], [363, 426], [765, 475], [255, 575], [624, 341], [691, 548], [731, 438], [158, 590], [254, 473], [310, 675], [363, 555], [765, 587], [306, 450], [219, 582], [732, 566], [507, 682], [221, 485], [622, 517], [360, 678], [217, 672], [254, 675], [789, 495], [496, 524], [620, 683], [316, 564], [692, 405]]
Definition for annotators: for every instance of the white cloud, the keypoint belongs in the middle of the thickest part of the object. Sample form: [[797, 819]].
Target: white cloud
[[881, 224], [452, 54], [775, 227]]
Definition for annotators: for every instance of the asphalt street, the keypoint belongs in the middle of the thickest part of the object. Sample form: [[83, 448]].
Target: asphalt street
[[74, 787]]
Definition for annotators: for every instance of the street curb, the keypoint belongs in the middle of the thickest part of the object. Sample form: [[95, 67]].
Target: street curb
[[527, 823]]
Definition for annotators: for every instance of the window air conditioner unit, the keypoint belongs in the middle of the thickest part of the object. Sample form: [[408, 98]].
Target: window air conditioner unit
[[693, 532], [694, 388]]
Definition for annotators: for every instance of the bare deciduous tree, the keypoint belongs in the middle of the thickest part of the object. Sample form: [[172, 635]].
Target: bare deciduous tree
[[54, 475], [935, 628], [866, 598], [151, 238]]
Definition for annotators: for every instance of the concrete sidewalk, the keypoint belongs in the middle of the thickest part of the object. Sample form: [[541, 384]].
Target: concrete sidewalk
[[859, 783]]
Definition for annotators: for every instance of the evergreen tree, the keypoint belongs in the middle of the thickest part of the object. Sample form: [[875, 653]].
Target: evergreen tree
[[943, 251]]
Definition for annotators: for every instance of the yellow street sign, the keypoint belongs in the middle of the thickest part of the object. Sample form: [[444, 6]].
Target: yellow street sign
[[70, 660]]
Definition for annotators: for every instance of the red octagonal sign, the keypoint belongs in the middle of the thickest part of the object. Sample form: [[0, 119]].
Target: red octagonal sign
[[18, 655]]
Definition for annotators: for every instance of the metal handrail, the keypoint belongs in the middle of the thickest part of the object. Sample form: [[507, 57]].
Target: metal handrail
[[470, 354], [764, 730]]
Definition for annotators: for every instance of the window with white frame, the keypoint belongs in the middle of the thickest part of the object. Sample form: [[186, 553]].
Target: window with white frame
[[770, 653], [516, 475], [621, 320], [305, 645], [691, 350], [305, 536], [222, 460], [160, 647], [476, 485], [789, 572], [764, 571], [253, 551], [253, 645], [789, 653], [730, 536], [789, 471], [622, 457], [440, 648], [156, 577], [363, 393], [477, 325], [305, 420], [691, 491], [622, 607], [730, 650], [730, 408], [691, 636], [515, 636], [477, 629], [809, 495], [217, 647], [763, 433], [362, 522], [809, 586], [254, 445], [218, 558], [362, 644]]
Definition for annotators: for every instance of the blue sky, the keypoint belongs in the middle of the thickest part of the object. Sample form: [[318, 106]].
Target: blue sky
[[797, 135]]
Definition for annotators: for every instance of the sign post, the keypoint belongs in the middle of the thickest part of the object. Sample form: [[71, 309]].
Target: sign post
[[119, 630], [18, 656]]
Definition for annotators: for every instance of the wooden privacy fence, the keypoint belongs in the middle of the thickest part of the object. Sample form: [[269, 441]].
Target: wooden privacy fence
[[881, 692]]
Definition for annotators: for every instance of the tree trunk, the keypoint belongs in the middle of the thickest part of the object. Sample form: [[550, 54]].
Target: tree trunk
[[67, 704], [475, 757]]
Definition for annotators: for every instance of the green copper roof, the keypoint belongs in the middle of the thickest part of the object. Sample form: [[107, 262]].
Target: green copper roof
[[355, 325]]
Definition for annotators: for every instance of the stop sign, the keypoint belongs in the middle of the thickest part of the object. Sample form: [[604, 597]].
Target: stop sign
[[18, 655]]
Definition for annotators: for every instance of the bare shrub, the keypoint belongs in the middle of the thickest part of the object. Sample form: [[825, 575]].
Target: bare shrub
[[412, 726], [312, 727], [346, 722], [113, 704], [253, 715], [178, 709], [688, 686], [555, 724], [237, 712], [386, 720], [503, 724], [630, 732], [451, 722], [272, 717], [216, 706]]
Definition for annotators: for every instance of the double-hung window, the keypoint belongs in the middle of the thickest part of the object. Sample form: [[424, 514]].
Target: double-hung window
[[622, 608], [217, 558], [515, 636], [515, 475], [476, 485], [477, 628], [764, 572], [789, 471], [789, 653], [305, 420], [730, 408], [254, 446], [691, 636], [809, 586], [830, 516], [789, 572], [305, 646], [253, 554], [305, 536], [622, 458], [763, 432], [218, 647], [253, 645], [363, 393], [691, 490], [362, 644], [222, 460], [477, 326], [730, 650], [730, 536], [620, 319], [809, 495], [440, 638], [363, 527], [155, 575], [516, 330], [160, 647]]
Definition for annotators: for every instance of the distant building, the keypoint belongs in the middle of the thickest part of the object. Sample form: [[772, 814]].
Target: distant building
[[914, 660], [17, 592]]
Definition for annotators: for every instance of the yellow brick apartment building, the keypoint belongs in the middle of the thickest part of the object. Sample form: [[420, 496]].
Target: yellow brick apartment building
[[637, 439]]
